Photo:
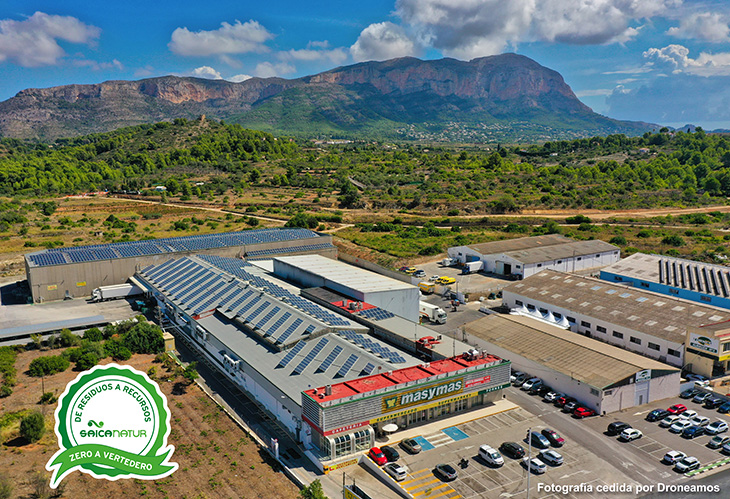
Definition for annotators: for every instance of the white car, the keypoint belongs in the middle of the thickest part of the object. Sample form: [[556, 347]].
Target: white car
[[395, 470], [551, 457], [687, 464], [695, 377], [716, 427], [513, 376], [700, 420], [668, 421], [688, 414], [490, 456], [673, 456], [680, 425], [527, 385], [434, 278], [552, 396], [536, 466], [630, 434]]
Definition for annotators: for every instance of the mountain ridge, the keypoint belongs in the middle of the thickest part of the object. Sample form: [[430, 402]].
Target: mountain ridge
[[370, 98]]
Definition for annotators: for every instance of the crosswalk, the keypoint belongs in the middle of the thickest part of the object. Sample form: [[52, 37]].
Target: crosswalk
[[423, 484]]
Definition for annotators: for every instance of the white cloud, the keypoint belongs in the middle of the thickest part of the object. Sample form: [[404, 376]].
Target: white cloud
[[383, 41], [267, 69], [335, 56], [677, 59], [33, 42], [237, 38], [712, 27], [472, 28], [239, 78], [206, 72], [594, 92], [97, 66]]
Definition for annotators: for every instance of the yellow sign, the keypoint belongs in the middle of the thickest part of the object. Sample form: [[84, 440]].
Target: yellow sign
[[422, 408], [52, 287], [350, 494], [337, 466], [423, 395], [81, 284]]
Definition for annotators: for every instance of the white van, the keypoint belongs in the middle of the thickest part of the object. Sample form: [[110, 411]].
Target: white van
[[490, 456]]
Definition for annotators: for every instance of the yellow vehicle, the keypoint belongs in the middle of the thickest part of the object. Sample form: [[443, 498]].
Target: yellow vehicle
[[410, 270], [427, 287], [446, 281]]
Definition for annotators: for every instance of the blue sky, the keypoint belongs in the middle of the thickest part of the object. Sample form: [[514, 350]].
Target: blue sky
[[662, 61]]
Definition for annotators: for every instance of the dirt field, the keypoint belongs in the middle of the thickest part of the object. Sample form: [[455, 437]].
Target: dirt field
[[216, 457]]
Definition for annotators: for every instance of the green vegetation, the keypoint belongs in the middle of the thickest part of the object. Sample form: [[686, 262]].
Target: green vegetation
[[33, 427], [7, 368], [47, 365], [313, 491]]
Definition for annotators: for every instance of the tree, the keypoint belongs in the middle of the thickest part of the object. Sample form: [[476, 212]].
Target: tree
[[68, 339], [94, 334], [50, 364], [87, 361], [144, 338], [673, 240], [37, 340], [116, 350], [618, 240], [32, 427], [191, 372], [313, 491]]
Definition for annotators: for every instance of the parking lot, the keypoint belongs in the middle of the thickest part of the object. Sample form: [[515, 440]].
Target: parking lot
[[592, 459]]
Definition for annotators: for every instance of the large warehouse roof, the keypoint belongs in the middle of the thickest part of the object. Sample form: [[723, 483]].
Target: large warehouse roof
[[651, 313], [521, 243], [543, 248], [342, 273], [78, 254], [587, 360], [687, 274]]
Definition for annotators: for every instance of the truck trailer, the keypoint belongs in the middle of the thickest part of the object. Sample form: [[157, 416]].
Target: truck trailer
[[115, 291], [433, 313], [471, 267]]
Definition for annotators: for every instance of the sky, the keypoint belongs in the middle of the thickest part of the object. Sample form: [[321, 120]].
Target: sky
[[660, 61]]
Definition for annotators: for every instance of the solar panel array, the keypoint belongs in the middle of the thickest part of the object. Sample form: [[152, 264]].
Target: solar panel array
[[292, 249], [310, 356], [373, 346], [376, 314], [97, 252]]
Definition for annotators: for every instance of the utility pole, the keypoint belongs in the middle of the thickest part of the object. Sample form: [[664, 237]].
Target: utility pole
[[529, 460]]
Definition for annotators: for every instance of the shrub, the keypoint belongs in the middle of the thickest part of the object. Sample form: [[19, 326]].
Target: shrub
[[116, 350], [618, 240], [577, 220], [673, 240], [50, 364], [87, 361], [5, 391], [144, 338], [48, 398], [32, 427], [94, 334]]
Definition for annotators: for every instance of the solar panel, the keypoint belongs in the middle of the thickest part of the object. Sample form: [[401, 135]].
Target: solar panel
[[368, 369], [347, 366], [329, 360], [310, 356], [292, 327], [292, 353]]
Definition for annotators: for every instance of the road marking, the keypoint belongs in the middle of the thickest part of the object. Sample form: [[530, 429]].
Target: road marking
[[421, 485], [430, 489], [579, 472], [452, 491]]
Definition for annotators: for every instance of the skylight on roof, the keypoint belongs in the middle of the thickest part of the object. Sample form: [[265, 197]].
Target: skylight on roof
[[610, 291], [678, 308], [632, 317], [625, 295], [650, 323], [596, 288], [670, 328], [716, 318], [659, 304], [642, 299], [699, 313]]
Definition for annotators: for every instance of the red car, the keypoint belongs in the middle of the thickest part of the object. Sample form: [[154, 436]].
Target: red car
[[377, 455], [677, 409], [583, 412]]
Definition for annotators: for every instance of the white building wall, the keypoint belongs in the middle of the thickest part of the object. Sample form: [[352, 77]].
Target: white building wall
[[573, 263], [401, 302], [460, 253], [584, 322]]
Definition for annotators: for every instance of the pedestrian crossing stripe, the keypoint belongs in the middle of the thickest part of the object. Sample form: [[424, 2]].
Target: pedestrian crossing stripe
[[431, 489], [418, 486]]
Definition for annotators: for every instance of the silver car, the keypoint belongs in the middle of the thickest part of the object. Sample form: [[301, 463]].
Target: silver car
[[551, 457], [535, 465], [552, 396], [395, 470], [673, 456], [680, 425]]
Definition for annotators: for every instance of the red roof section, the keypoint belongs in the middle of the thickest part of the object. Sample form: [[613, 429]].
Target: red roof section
[[393, 378], [353, 306]]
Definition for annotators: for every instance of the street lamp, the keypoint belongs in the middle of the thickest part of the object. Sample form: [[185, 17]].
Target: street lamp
[[529, 460]]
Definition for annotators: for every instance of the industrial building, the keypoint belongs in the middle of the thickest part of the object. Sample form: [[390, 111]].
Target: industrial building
[[600, 376], [708, 349], [640, 321], [73, 272], [316, 271], [696, 281], [526, 256]]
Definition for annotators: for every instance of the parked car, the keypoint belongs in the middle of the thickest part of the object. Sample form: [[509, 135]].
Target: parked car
[[552, 396], [724, 408], [390, 453], [434, 278], [700, 398], [714, 402], [718, 441], [446, 281], [512, 449], [571, 406], [725, 448], [680, 425], [514, 374], [688, 414], [419, 273], [687, 464], [395, 470], [490, 456], [689, 393], [445, 471], [677, 409], [403, 268], [617, 427], [554, 439], [656, 415], [536, 466], [716, 427], [551, 457], [520, 379], [410, 270], [583, 412], [673, 456], [527, 385], [411, 445], [541, 391], [560, 402], [630, 434], [377, 455], [539, 441], [695, 377], [700, 420], [693, 431], [668, 421]]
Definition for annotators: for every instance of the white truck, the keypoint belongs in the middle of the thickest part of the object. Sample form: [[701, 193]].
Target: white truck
[[449, 262], [115, 291], [471, 267], [433, 313]]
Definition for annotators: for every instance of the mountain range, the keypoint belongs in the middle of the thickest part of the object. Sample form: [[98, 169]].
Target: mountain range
[[506, 97]]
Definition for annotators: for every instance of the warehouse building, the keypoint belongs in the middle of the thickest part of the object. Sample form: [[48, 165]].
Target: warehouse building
[[316, 271], [696, 281], [708, 349], [73, 272], [526, 256], [600, 376], [640, 321]]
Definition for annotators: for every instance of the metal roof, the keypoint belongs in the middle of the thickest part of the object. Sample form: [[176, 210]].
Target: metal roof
[[343, 273], [651, 313], [561, 251], [77, 254], [585, 359], [521, 243]]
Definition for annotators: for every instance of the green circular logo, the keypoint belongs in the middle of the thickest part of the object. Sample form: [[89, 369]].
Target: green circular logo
[[112, 422]]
